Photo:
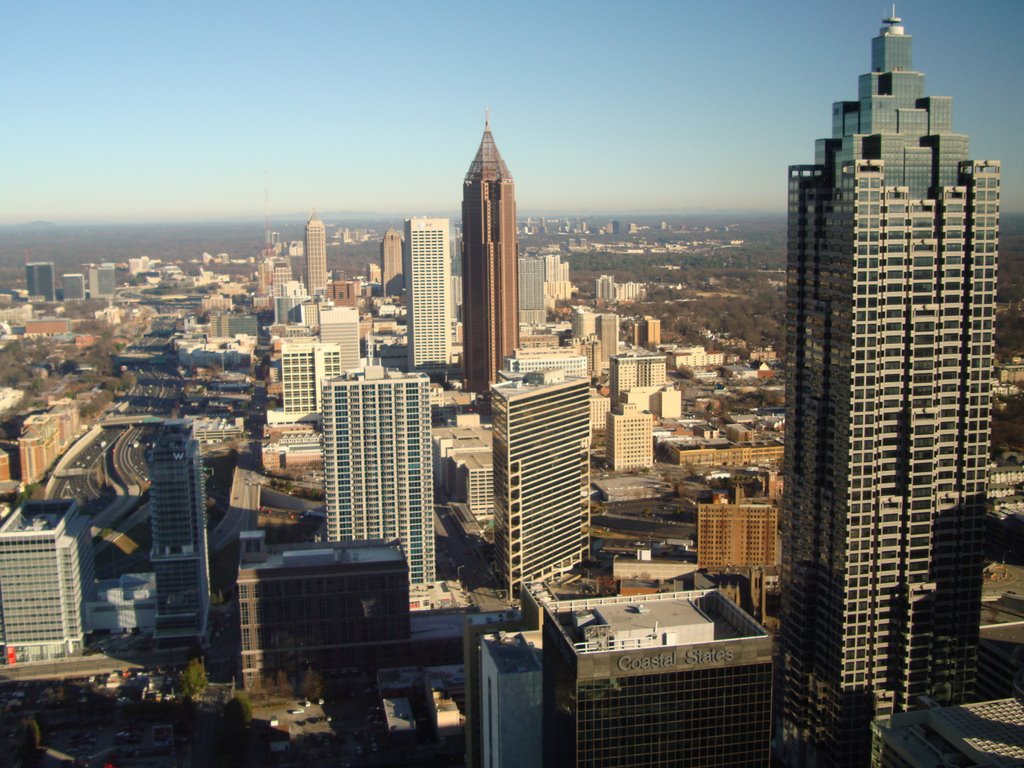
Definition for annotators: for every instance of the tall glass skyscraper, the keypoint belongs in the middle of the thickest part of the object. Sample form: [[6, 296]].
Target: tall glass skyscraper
[[893, 235], [490, 272], [316, 255], [40, 280], [177, 500]]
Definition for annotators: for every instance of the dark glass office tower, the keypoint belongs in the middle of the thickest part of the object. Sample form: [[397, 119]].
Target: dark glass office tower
[[490, 291], [177, 500], [680, 679], [39, 279], [893, 235]]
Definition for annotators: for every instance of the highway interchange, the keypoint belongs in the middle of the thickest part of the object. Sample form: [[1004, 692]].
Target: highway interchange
[[109, 475]]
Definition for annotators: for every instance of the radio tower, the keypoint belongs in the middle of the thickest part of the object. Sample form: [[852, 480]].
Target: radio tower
[[268, 248]]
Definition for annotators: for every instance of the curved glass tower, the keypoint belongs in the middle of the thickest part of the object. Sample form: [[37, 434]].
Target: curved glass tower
[[893, 234]]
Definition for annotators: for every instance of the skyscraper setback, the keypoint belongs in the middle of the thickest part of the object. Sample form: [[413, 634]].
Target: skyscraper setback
[[316, 255], [893, 236], [490, 292]]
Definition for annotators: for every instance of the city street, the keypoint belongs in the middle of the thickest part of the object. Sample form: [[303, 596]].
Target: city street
[[459, 557]]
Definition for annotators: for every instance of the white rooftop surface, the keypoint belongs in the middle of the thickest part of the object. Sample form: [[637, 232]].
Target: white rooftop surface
[[679, 618], [340, 553]]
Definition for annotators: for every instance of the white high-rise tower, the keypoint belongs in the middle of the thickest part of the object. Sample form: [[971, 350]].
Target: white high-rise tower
[[377, 462], [426, 262]]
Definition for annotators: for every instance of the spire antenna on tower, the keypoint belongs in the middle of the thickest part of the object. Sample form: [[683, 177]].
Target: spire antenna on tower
[[487, 118]]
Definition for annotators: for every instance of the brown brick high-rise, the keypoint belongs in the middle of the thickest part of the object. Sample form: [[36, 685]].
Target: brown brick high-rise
[[490, 292]]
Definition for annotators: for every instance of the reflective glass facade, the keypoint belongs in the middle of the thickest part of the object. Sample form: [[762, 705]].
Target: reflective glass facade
[[669, 704], [179, 554], [490, 274], [893, 236]]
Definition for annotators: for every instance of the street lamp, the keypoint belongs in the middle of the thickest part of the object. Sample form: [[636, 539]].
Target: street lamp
[[458, 573]]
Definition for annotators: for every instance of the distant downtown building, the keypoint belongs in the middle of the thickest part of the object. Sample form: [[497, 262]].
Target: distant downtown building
[[46, 575], [629, 438], [584, 322], [179, 554], [490, 269], [531, 291], [608, 333], [546, 359], [377, 462], [316, 256], [745, 532], [324, 606], [74, 286], [635, 369], [427, 265], [340, 325], [102, 281], [893, 236], [541, 449], [305, 365], [40, 280], [671, 679], [392, 278], [647, 332]]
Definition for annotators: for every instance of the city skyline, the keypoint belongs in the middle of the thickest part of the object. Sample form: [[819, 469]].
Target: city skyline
[[648, 112]]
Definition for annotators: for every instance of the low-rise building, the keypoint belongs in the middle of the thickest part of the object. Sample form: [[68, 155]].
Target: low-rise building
[[529, 359], [327, 606], [719, 452], [629, 439], [463, 464], [47, 326], [745, 532], [600, 406], [213, 431], [695, 357], [124, 604]]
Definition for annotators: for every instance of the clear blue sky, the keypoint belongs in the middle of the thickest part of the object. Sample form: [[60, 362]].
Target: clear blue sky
[[117, 111]]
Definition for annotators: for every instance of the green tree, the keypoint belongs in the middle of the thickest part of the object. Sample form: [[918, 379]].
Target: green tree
[[235, 720], [284, 685], [193, 679]]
